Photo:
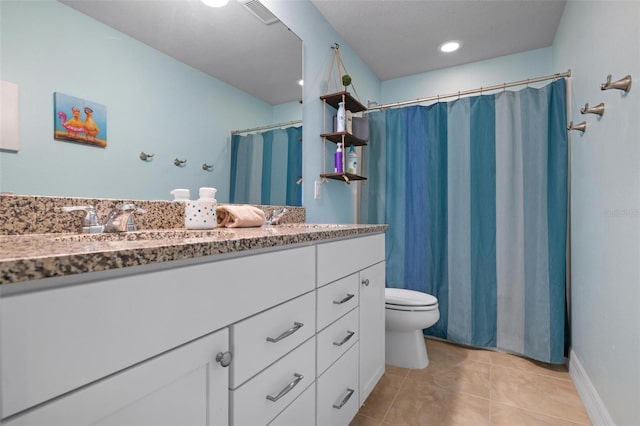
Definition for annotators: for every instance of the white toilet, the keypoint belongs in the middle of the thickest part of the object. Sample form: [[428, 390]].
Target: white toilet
[[407, 313]]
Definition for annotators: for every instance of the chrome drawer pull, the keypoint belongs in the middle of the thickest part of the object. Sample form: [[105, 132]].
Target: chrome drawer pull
[[287, 388], [346, 299], [296, 326], [345, 399], [346, 338]]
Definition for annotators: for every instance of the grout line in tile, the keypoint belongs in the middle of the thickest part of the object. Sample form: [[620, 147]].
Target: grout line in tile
[[404, 379]]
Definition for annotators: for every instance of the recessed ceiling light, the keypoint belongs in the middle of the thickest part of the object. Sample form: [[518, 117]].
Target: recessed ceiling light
[[215, 3], [450, 46]]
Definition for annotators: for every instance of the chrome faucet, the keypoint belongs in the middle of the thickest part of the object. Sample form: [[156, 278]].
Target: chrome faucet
[[276, 216], [120, 219], [90, 223]]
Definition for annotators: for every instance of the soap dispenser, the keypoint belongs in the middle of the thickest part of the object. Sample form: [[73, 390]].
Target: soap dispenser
[[352, 160], [180, 194], [201, 214]]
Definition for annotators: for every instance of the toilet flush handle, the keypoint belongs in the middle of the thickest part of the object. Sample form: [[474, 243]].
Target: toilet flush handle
[[365, 282]]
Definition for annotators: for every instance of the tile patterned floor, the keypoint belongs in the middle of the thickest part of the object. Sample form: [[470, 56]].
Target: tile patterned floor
[[472, 387]]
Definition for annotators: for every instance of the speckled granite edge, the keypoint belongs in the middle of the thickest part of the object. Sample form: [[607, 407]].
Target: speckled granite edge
[[34, 214], [26, 258]]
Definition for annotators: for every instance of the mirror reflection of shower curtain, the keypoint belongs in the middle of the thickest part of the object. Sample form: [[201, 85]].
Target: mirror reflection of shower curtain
[[266, 167]]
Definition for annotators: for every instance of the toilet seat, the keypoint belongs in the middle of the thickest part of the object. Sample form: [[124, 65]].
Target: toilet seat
[[400, 299]]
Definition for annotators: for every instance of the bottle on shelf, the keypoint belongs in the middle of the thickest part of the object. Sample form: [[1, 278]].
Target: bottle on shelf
[[352, 161], [341, 119], [337, 160]]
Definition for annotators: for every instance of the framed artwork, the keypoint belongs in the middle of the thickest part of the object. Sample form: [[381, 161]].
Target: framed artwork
[[79, 120]]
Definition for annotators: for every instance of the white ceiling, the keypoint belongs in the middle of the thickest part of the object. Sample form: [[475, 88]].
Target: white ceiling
[[395, 38]]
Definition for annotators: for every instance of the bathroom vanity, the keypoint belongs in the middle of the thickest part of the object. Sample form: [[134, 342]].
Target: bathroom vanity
[[279, 325]]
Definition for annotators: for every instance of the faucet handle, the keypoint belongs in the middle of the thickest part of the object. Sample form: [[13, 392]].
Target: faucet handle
[[120, 219], [130, 207], [90, 221]]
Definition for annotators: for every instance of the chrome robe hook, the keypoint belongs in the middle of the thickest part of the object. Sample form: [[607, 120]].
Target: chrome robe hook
[[144, 156], [581, 127], [207, 167], [179, 163], [623, 84], [598, 109]]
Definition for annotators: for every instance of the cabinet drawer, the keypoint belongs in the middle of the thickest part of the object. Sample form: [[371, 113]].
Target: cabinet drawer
[[301, 412], [341, 258], [184, 386], [260, 340], [336, 299], [336, 339], [294, 372], [338, 391]]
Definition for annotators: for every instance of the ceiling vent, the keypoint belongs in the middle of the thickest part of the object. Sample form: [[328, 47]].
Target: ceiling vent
[[261, 12]]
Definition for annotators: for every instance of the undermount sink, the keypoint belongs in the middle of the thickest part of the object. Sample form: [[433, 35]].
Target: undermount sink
[[155, 234]]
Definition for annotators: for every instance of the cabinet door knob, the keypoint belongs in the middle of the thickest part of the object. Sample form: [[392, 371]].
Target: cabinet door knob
[[289, 332], [287, 388], [365, 282], [345, 399], [224, 358]]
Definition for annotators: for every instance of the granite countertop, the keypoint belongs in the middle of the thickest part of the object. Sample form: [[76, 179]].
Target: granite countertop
[[35, 256]]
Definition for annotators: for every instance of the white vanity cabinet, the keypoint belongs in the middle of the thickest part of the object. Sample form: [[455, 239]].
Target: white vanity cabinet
[[185, 386], [59, 340], [150, 345], [372, 352], [354, 265]]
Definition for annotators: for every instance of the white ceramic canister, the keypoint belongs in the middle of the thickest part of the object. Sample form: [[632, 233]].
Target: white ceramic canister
[[201, 214]]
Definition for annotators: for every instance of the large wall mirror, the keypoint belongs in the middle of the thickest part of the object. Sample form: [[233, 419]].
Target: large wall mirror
[[239, 69]]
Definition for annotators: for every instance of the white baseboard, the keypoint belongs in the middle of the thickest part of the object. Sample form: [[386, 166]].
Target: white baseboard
[[596, 409]]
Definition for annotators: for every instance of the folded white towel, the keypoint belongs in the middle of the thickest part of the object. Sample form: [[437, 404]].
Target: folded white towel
[[239, 216]]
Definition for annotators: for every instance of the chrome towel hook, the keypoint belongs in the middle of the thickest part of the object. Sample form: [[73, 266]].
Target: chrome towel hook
[[207, 167], [179, 163], [145, 157], [623, 84], [580, 126], [598, 109]]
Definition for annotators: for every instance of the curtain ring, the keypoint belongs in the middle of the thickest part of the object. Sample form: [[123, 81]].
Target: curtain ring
[[504, 87], [458, 95]]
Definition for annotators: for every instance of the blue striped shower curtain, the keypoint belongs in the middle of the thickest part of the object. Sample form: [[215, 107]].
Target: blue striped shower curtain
[[475, 195], [266, 168]]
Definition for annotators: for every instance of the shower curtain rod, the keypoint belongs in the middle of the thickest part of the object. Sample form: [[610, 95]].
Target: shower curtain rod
[[270, 126], [472, 91]]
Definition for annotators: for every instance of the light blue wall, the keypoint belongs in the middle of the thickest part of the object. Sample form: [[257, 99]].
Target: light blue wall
[[596, 39], [337, 200], [154, 104], [520, 66]]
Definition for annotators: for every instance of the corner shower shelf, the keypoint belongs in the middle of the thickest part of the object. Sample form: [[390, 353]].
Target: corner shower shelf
[[344, 138], [345, 177], [350, 103]]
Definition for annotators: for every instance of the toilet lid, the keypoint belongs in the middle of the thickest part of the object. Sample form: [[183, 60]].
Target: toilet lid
[[404, 297]]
